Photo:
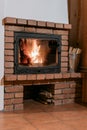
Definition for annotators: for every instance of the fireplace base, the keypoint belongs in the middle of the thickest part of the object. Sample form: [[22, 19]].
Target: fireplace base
[[65, 88]]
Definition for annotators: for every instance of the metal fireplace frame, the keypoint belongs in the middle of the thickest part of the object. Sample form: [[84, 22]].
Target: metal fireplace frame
[[36, 70]]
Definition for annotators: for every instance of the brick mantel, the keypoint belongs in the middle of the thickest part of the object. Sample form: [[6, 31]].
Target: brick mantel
[[34, 23]]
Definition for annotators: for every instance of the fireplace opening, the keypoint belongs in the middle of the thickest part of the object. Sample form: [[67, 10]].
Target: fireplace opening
[[37, 53], [39, 93]]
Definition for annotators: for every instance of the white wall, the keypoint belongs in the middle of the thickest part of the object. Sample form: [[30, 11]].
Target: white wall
[[1, 53], [45, 10]]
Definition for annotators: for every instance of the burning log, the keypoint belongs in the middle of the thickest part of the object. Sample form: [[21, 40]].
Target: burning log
[[32, 52], [24, 59]]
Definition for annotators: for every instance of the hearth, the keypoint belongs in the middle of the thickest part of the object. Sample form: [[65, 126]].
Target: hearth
[[37, 53]]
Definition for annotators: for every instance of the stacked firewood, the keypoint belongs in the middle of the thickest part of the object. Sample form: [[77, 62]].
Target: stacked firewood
[[74, 58], [45, 97], [73, 50]]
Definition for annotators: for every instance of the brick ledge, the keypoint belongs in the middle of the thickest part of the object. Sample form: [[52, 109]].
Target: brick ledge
[[38, 77], [31, 22]]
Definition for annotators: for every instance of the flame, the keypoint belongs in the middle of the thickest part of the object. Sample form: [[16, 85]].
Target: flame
[[32, 52], [35, 53]]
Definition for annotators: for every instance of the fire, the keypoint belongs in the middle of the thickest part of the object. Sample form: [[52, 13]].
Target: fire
[[32, 52], [35, 53]]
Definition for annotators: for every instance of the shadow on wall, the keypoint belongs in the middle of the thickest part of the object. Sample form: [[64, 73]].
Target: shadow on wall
[[2, 81]]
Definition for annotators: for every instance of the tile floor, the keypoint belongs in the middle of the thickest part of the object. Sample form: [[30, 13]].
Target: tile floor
[[37, 116]]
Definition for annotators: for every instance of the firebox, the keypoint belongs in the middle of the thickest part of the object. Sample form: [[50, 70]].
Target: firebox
[[37, 53]]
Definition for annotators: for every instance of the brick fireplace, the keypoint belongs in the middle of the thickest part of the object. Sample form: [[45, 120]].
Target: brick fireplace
[[64, 86]]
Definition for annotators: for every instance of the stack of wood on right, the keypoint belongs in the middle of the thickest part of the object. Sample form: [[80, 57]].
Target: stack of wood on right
[[74, 58]]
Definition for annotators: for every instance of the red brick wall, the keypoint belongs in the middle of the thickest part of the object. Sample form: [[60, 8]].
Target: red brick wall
[[13, 24], [14, 83]]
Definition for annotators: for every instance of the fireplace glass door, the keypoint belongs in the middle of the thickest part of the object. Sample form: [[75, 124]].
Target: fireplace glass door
[[37, 53]]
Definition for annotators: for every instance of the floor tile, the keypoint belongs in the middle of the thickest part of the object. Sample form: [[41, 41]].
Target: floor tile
[[37, 116], [78, 124], [54, 126]]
